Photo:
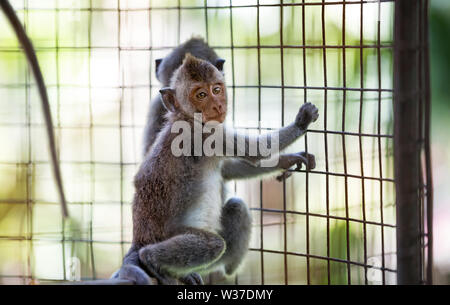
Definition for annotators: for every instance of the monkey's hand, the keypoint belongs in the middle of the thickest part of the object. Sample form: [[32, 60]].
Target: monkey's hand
[[307, 114], [286, 161]]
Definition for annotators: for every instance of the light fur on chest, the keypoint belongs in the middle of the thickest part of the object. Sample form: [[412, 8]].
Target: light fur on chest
[[206, 212]]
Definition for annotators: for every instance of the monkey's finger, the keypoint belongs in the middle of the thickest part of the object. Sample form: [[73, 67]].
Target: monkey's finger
[[303, 160], [315, 115], [312, 162], [284, 176], [280, 177]]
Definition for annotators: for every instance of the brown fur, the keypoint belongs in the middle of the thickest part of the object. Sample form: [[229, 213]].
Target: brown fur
[[168, 187], [158, 202], [197, 70]]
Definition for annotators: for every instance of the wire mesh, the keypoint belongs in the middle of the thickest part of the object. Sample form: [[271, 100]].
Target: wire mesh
[[332, 225]]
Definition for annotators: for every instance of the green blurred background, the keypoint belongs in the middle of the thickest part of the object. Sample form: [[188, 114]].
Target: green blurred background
[[440, 77], [98, 66]]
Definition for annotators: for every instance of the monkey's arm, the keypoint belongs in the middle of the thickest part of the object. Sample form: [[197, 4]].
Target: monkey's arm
[[249, 147], [241, 169], [155, 121], [307, 114]]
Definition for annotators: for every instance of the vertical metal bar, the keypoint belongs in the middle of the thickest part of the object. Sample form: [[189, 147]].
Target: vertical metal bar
[[344, 151], [325, 84], [282, 123], [179, 22], [29, 168], [58, 120], [429, 178], [233, 82], [232, 66], [421, 119], [305, 95], [261, 218], [152, 68], [406, 141], [380, 155], [122, 81], [361, 158], [206, 20], [91, 144]]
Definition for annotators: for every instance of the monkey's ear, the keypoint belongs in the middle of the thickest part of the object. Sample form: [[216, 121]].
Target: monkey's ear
[[168, 99], [157, 64], [219, 63]]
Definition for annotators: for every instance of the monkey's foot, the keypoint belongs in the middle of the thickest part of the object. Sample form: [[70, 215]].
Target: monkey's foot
[[134, 274], [162, 278], [192, 279], [154, 270]]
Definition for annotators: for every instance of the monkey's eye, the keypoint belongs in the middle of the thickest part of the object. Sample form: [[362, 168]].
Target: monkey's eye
[[201, 95], [217, 90]]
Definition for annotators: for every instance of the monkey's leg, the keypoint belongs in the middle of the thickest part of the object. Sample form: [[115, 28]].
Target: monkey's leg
[[131, 270], [182, 255], [236, 228]]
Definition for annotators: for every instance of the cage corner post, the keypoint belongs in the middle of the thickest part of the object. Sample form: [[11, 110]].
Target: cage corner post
[[408, 139]]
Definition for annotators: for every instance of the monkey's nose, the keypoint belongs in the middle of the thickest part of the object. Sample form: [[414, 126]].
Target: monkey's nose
[[218, 108]]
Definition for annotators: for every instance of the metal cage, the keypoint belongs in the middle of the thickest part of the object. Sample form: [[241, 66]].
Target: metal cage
[[363, 216]]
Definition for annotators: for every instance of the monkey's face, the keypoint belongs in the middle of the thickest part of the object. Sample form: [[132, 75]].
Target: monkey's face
[[210, 99], [197, 86]]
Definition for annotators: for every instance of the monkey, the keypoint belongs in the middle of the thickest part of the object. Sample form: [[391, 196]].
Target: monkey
[[181, 227], [164, 68], [234, 169]]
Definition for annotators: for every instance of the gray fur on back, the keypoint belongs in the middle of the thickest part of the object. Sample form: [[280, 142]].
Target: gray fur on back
[[196, 46]]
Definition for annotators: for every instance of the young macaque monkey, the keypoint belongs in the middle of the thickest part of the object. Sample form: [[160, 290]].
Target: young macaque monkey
[[181, 225], [164, 69]]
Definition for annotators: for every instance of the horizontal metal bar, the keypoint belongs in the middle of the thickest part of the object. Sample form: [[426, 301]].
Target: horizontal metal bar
[[85, 281], [338, 260], [97, 282], [341, 175], [160, 48], [63, 126], [119, 9], [323, 216], [137, 163], [251, 249], [230, 86], [356, 134]]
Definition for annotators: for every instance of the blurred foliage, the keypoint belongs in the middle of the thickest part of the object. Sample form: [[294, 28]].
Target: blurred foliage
[[440, 76], [440, 60]]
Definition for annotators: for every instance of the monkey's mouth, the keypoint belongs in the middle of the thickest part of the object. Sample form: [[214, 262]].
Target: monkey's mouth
[[219, 118]]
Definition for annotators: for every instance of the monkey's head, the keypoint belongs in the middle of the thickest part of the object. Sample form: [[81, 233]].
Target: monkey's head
[[197, 86], [165, 67]]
